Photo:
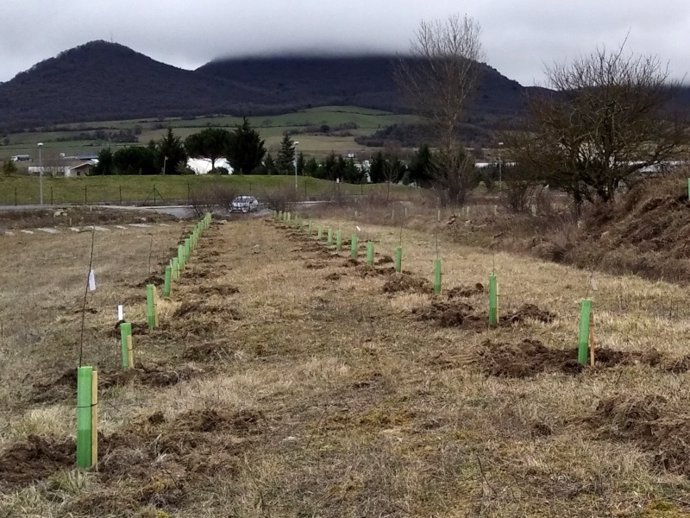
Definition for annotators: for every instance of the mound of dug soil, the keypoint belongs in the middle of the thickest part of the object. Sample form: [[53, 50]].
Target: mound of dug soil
[[651, 424], [207, 351], [450, 314], [244, 422], [65, 386], [224, 290], [315, 265], [459, 292], [156, 280], [454, 313], [531, 357], [408, 283], [364, 271], [198, 308], [526, 312], [34, 459]]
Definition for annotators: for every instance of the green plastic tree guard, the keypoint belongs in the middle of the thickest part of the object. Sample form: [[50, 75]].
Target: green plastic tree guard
[[319, 233], [354, 246], [583, 339], [329, 237], [370, 253], [493, 301], [338, 241], [180, 256], [125, 334], [84, 422], [437, 276], [167, 284], [150, 306], [398, 259], [175, 268]]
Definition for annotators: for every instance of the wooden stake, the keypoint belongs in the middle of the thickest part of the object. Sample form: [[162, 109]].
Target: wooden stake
[[591, 339], [130, 352]]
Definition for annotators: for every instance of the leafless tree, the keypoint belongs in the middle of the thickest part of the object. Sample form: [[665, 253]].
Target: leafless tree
[[436, 80], [604, 123]]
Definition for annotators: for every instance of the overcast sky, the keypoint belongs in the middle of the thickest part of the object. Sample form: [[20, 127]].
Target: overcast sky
[[519, 36]]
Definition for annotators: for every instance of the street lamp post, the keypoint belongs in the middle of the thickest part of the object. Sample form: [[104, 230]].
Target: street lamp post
[[500, 171], [295, 143], [40, 173]]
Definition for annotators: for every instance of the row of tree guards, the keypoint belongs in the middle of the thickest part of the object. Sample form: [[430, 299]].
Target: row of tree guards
[[87, 376], [585, 350]]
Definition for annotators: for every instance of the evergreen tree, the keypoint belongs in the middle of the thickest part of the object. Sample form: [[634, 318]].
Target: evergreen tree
[[300, 163], [377, 173], [269, 164], [170, 153], [351, 173], [422, 167], [245, 148], [311, 168], [105, 162], [286, 156], [9, 167]]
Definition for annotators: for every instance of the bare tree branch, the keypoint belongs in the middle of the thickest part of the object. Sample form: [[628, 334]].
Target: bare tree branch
[[604, 124], [436, 80]]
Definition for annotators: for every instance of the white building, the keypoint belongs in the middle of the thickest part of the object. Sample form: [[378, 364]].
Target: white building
[[203, 165]]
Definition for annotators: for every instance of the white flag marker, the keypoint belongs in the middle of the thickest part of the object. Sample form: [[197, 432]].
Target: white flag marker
[[92, 281]]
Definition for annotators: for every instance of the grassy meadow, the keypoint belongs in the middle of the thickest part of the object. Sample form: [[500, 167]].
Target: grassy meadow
[[271, 128], [288, 380], [174, 189]]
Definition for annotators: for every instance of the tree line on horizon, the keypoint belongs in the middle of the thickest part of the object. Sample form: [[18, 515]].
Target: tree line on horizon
[[246, 153]]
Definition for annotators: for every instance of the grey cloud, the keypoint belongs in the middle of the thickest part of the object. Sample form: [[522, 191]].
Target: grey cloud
[[518, 37]]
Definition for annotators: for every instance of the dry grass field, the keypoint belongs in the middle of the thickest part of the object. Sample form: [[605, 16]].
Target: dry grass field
[[287, 380]]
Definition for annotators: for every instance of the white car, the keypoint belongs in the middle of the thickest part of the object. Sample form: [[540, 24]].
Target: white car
[[244, 204]]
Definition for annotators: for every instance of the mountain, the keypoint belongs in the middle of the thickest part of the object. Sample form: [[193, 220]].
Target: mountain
[[103, 81], [354, 80], [108, 81]]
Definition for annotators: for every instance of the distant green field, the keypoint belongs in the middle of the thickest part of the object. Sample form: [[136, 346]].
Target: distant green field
[[162, 190], [271, 128]]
